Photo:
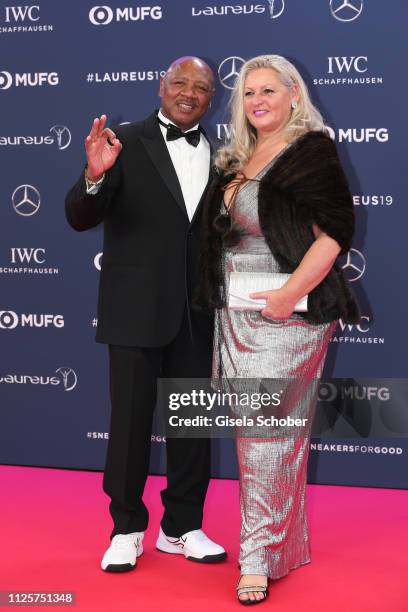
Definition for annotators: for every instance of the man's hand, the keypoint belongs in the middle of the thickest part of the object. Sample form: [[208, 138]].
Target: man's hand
[[102, 149], [278, 305]]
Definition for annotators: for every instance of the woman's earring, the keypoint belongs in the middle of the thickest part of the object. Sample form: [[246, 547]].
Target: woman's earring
[[294, 104]]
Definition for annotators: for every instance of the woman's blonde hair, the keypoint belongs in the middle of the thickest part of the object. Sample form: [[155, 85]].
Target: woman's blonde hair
[[241, 144]]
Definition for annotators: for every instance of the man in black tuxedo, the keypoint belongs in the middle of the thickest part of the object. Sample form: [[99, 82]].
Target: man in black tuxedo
[[145, 182]]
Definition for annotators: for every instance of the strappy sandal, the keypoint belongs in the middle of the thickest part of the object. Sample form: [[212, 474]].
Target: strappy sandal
[[255, 588]]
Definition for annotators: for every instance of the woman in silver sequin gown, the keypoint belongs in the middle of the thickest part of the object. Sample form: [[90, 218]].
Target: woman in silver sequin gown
[[274, 534], [305, 216]]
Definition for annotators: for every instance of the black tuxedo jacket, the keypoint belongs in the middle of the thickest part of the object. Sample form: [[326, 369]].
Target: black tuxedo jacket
[[150, 251]]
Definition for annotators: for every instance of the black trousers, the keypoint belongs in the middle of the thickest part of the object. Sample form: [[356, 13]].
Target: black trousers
[[133, 388]]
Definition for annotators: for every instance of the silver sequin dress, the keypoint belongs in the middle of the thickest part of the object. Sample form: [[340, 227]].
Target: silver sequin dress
[[274, 532]]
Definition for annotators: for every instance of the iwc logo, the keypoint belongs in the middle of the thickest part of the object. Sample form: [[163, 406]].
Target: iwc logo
[[28, 261], [360, 333], [20, 19], [348, 70]]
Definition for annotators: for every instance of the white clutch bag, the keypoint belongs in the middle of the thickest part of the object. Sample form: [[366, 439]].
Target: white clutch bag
[[241, 284]]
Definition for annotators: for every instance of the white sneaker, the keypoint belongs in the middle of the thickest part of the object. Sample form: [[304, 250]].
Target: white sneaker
[[194, 545], [122, 553]]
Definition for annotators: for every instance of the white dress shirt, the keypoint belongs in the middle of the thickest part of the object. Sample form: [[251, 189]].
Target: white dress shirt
[[192, 165]]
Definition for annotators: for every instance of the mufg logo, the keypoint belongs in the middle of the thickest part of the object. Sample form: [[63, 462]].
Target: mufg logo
[[104, 15], [359, 135], [10, 320], [27, 79]]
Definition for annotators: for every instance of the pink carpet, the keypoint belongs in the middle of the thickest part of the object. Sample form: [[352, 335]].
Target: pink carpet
[[55, 526]]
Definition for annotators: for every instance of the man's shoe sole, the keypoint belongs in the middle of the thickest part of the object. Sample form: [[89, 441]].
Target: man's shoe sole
[[206, 559], [209, 558], [118, 569]]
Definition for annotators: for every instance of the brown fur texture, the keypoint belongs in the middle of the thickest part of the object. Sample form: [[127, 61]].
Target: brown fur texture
[[305, 186]]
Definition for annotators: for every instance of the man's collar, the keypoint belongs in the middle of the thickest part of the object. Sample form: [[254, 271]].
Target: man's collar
[[167, 121]]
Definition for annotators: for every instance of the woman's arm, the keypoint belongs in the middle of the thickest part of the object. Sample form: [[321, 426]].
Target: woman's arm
[[315, 265]]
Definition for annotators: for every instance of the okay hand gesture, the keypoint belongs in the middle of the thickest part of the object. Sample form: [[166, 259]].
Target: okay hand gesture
[[102, 149]]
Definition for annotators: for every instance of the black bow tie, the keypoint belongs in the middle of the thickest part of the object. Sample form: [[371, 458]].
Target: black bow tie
[[174, 132]]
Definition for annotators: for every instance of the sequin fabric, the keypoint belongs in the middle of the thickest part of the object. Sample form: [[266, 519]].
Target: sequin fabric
[[273, 470]]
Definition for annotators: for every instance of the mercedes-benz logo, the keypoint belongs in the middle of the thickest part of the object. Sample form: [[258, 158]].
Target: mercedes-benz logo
[[6, 80], [63, 136], [8, 319], [355, 265], [228, 71], [276, 8], [69, 378], [26, 200], [344, 10]]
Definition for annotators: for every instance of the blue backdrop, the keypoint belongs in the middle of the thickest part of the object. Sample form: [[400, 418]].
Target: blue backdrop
[[64, 62]]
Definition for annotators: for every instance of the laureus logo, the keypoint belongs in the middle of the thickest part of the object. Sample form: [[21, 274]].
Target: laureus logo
[[62, 135], [273, 8], [66, 379], [276, 8], [69, 378]]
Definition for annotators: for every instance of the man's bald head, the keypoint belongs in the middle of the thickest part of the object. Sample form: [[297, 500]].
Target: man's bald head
[[186, 91], [193, 61]]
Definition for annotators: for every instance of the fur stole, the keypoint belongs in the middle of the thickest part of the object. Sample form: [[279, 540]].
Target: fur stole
[[305, 186]]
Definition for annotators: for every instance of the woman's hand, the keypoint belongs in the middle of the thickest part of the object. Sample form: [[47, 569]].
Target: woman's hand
[[278, 306], [316, 263]]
